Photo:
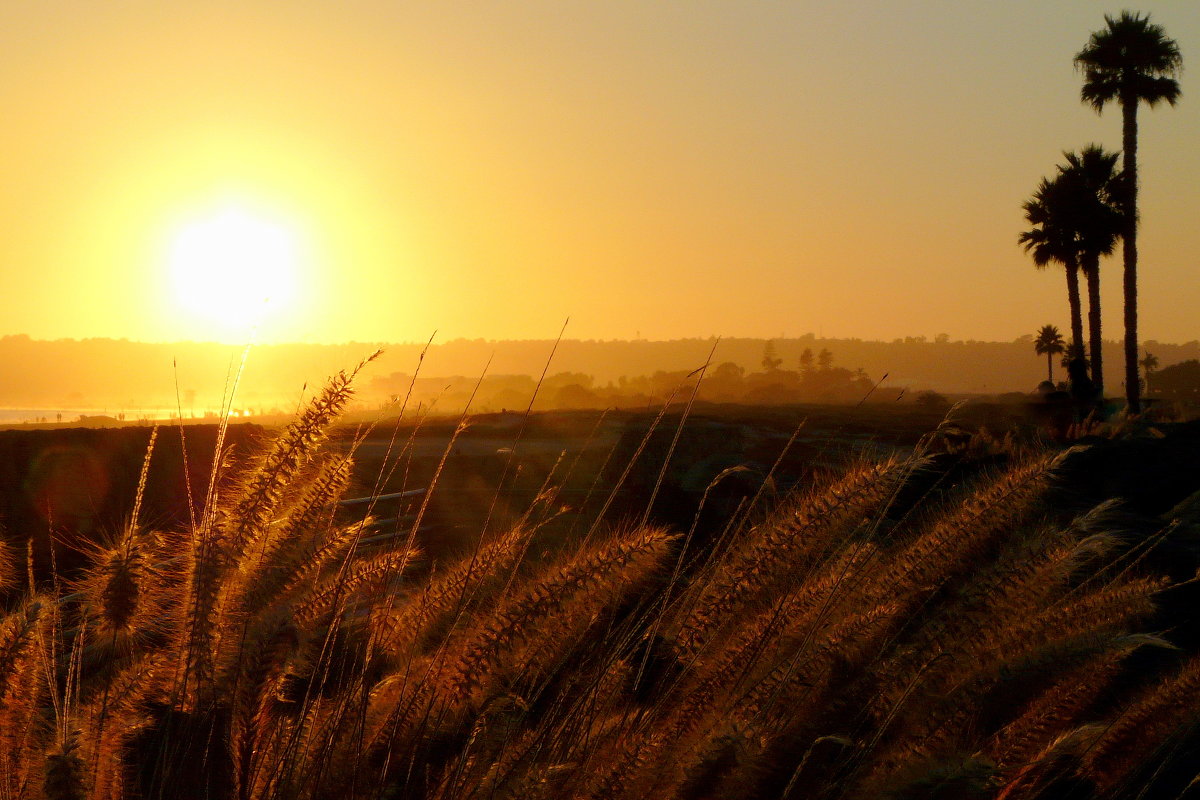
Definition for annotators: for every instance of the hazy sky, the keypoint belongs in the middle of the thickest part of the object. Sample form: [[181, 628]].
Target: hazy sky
[[668, 168]]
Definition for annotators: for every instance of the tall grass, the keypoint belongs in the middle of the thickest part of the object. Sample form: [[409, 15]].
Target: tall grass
[[843, 645]]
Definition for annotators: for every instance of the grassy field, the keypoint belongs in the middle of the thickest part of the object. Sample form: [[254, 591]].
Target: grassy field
[[729, 606]]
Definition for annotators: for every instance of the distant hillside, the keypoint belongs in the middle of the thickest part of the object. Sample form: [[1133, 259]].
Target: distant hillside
[[123, 375]]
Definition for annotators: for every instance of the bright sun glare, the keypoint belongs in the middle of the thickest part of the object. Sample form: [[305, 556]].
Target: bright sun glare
[[234, 267]]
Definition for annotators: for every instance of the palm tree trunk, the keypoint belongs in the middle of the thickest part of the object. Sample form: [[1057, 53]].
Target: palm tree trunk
[[1050, 366], [1076, 347], [1129, 251], [1091, 271]]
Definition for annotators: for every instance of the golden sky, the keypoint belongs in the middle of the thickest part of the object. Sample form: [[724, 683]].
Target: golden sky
[[487, 169]]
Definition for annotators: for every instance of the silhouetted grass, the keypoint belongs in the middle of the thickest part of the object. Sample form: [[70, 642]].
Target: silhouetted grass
[[836, 647]]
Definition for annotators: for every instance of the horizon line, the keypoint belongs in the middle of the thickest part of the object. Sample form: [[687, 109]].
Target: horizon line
[[909, 339]]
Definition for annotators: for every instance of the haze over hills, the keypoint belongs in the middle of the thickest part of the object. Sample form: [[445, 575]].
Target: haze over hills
[[119, 374]]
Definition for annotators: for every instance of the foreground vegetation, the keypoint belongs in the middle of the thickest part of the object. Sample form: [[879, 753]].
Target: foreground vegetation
[[878, 634]]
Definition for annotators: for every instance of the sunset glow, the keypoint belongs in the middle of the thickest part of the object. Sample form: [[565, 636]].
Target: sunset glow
[[234, 268], [619, 399], [487, 170]]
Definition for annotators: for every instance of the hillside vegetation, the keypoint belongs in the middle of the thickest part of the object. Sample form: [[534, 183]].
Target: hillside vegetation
[[120, 375]]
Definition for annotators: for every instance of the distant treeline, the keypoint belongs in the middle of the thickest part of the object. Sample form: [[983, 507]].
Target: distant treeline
[[120, 375], [722, 383]]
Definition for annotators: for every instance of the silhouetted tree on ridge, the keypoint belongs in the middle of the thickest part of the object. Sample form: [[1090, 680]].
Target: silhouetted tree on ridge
[[1129, 62], [770, 362], [1149, 364], [806, 361], [1049, 342]]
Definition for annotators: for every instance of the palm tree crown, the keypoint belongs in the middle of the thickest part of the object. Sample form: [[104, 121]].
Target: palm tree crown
[[1093, 190], [1131, 61], [1093, 210], [1052, 239]]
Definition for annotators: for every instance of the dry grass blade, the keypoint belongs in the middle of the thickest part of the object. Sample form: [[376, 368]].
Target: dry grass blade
[[427, 617], [598, 573], [1160, 712], [790, 543], [262, 489]]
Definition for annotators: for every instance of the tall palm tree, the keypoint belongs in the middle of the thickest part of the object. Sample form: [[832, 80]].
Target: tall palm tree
[[1049, 343], [1129, 62], [1052, 240], [1091, 209]]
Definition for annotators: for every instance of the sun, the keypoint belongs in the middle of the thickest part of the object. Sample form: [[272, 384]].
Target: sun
[[234, 267]]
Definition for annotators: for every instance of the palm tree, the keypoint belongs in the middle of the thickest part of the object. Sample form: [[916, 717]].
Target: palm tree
[[1091, 197], [1149, 364], [1049, 343], [1052, 240], [1129, 62]]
